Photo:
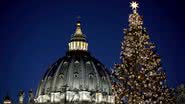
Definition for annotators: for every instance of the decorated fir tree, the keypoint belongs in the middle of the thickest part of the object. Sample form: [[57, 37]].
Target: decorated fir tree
[[139, 78]]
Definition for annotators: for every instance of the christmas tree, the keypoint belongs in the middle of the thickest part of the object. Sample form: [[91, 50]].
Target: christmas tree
[[139, 78]]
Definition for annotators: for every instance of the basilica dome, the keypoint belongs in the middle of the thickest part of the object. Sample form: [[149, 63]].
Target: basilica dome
[[76, 77]]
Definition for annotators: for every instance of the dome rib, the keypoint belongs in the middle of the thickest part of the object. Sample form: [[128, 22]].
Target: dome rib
[[56, 76]]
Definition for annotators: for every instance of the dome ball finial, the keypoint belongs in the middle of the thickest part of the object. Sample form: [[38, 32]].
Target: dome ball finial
[[78, 24]]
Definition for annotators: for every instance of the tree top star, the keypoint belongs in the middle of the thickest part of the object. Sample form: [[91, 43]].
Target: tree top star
[[134, 5]]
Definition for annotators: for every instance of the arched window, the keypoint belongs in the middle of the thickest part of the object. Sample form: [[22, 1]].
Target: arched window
[[77, 62], [61, 75], [88, 62], [91, 75], [76, 75]]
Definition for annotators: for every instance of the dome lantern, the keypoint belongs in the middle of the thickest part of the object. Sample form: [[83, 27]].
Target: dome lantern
[[78, 40]]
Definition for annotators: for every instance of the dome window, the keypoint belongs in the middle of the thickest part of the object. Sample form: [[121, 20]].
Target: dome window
[[98, 64], [88, 62], [61, 75], [65, 62], [91, 75], [77, 62], [76, 74]]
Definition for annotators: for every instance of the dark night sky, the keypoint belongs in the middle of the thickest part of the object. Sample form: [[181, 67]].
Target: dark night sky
[[35, 33]]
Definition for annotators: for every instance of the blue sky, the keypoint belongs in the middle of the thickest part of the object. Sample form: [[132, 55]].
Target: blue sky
[[35, 33]]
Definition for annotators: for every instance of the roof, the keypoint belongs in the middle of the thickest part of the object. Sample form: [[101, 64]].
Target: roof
[[77, 70]]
